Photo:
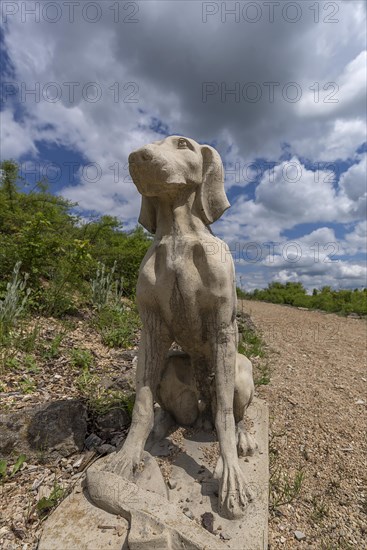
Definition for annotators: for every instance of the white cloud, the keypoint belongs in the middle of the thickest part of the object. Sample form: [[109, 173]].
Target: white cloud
[[15, 137]]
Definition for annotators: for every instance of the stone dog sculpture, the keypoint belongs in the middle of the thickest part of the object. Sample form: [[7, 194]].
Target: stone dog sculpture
[[186, 294]]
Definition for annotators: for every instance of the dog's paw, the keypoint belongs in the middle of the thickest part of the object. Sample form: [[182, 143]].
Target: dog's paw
[[246, 444], [234, 496], [123, 464]]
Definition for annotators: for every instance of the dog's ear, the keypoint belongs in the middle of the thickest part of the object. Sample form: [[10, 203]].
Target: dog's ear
[[211, 200], [148, 214]]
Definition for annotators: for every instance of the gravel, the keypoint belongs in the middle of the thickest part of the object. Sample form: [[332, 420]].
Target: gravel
[[318, 423]]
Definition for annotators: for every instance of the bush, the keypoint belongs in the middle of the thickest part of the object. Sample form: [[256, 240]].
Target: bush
[[326, 299], [59, 252]]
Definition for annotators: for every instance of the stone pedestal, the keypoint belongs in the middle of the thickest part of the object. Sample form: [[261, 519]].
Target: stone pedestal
[[143, 519]]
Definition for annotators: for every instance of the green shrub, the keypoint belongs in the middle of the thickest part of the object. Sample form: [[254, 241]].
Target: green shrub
[[13, 304], [117, 325], [81, 358]]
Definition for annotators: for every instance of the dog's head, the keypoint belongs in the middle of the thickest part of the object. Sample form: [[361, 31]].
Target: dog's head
[[165, 167]]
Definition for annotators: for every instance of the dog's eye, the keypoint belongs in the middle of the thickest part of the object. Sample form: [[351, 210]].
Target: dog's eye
[[182, 144]]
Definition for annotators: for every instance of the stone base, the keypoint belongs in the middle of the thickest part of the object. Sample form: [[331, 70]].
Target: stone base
[[187, 458], [193, 486]]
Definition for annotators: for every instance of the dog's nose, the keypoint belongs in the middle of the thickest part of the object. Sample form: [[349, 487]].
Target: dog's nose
[[140, 156]]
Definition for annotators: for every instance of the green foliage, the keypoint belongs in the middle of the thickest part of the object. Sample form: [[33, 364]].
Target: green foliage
[[81, 358], [15, 469], [326, 299], [13, 303], [100, 399], [52, 350], [117, 326], [45, 504], [283, 488], [57, 251], [252, 345]]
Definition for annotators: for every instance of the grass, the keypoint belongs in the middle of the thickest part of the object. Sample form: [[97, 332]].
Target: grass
[[284, 489], [117, 326], [319, 510], [253, 346], [81, 358]]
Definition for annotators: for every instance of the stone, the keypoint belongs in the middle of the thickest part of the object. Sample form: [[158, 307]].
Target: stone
[[172, 483], [54, 429], [207, 521], [299, 535], [249, 532], [105, 449], [92, 441], [111, 422], [188, 364]]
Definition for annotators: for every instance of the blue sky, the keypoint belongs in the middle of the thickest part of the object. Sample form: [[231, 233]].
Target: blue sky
[[279, 90]]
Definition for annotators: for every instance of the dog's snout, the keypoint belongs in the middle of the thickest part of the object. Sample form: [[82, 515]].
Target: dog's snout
[[140, 156]]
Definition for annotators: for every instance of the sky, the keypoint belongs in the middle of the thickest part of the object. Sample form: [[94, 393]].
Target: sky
[[277, 87]]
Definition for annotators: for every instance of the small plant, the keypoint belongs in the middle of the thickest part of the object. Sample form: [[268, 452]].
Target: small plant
[[45, 504], [12, 363], [81, 358], [53, 350], [320, 510], [13, 304], [253, 346], [262, 377], [27, 385], [16, 467], [283, 489], [27, 340], [102, 285], [31, 364], [117, 326], [101, 400]]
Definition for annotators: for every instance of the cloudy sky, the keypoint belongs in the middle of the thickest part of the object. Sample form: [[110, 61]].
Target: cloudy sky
[[279, 88]]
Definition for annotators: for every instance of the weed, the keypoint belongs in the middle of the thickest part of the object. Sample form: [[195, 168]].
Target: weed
[[53, 350], [45, 504], [101, 400], [16, 467], [31, 364], [12, 363], [252, 345], [13, 304], [27, 340], [320, 510], [81, 358], [284, 489], [117, 326], [27, 385]]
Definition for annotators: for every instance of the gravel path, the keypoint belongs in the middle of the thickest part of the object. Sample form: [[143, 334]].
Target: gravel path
[[317, 401]]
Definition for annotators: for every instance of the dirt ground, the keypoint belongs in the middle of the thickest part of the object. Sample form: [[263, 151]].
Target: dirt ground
[[317, 402]]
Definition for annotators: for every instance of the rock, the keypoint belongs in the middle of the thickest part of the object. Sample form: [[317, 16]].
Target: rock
[[105, 449], [135, 360], [113, 421], [172, 483], [92, 441], [225, 536], [128, 355], [360, 402], [189, 514], [299, 535], [54, 429], [207, 521]]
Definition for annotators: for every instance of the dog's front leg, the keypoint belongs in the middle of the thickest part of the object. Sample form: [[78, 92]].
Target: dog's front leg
[[233, 494], [154, 345]]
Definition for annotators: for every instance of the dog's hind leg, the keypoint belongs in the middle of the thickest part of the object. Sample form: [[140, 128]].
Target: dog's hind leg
[[177, 392], [243, 395]]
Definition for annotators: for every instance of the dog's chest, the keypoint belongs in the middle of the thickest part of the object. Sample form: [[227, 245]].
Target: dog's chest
[[183, 277]]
